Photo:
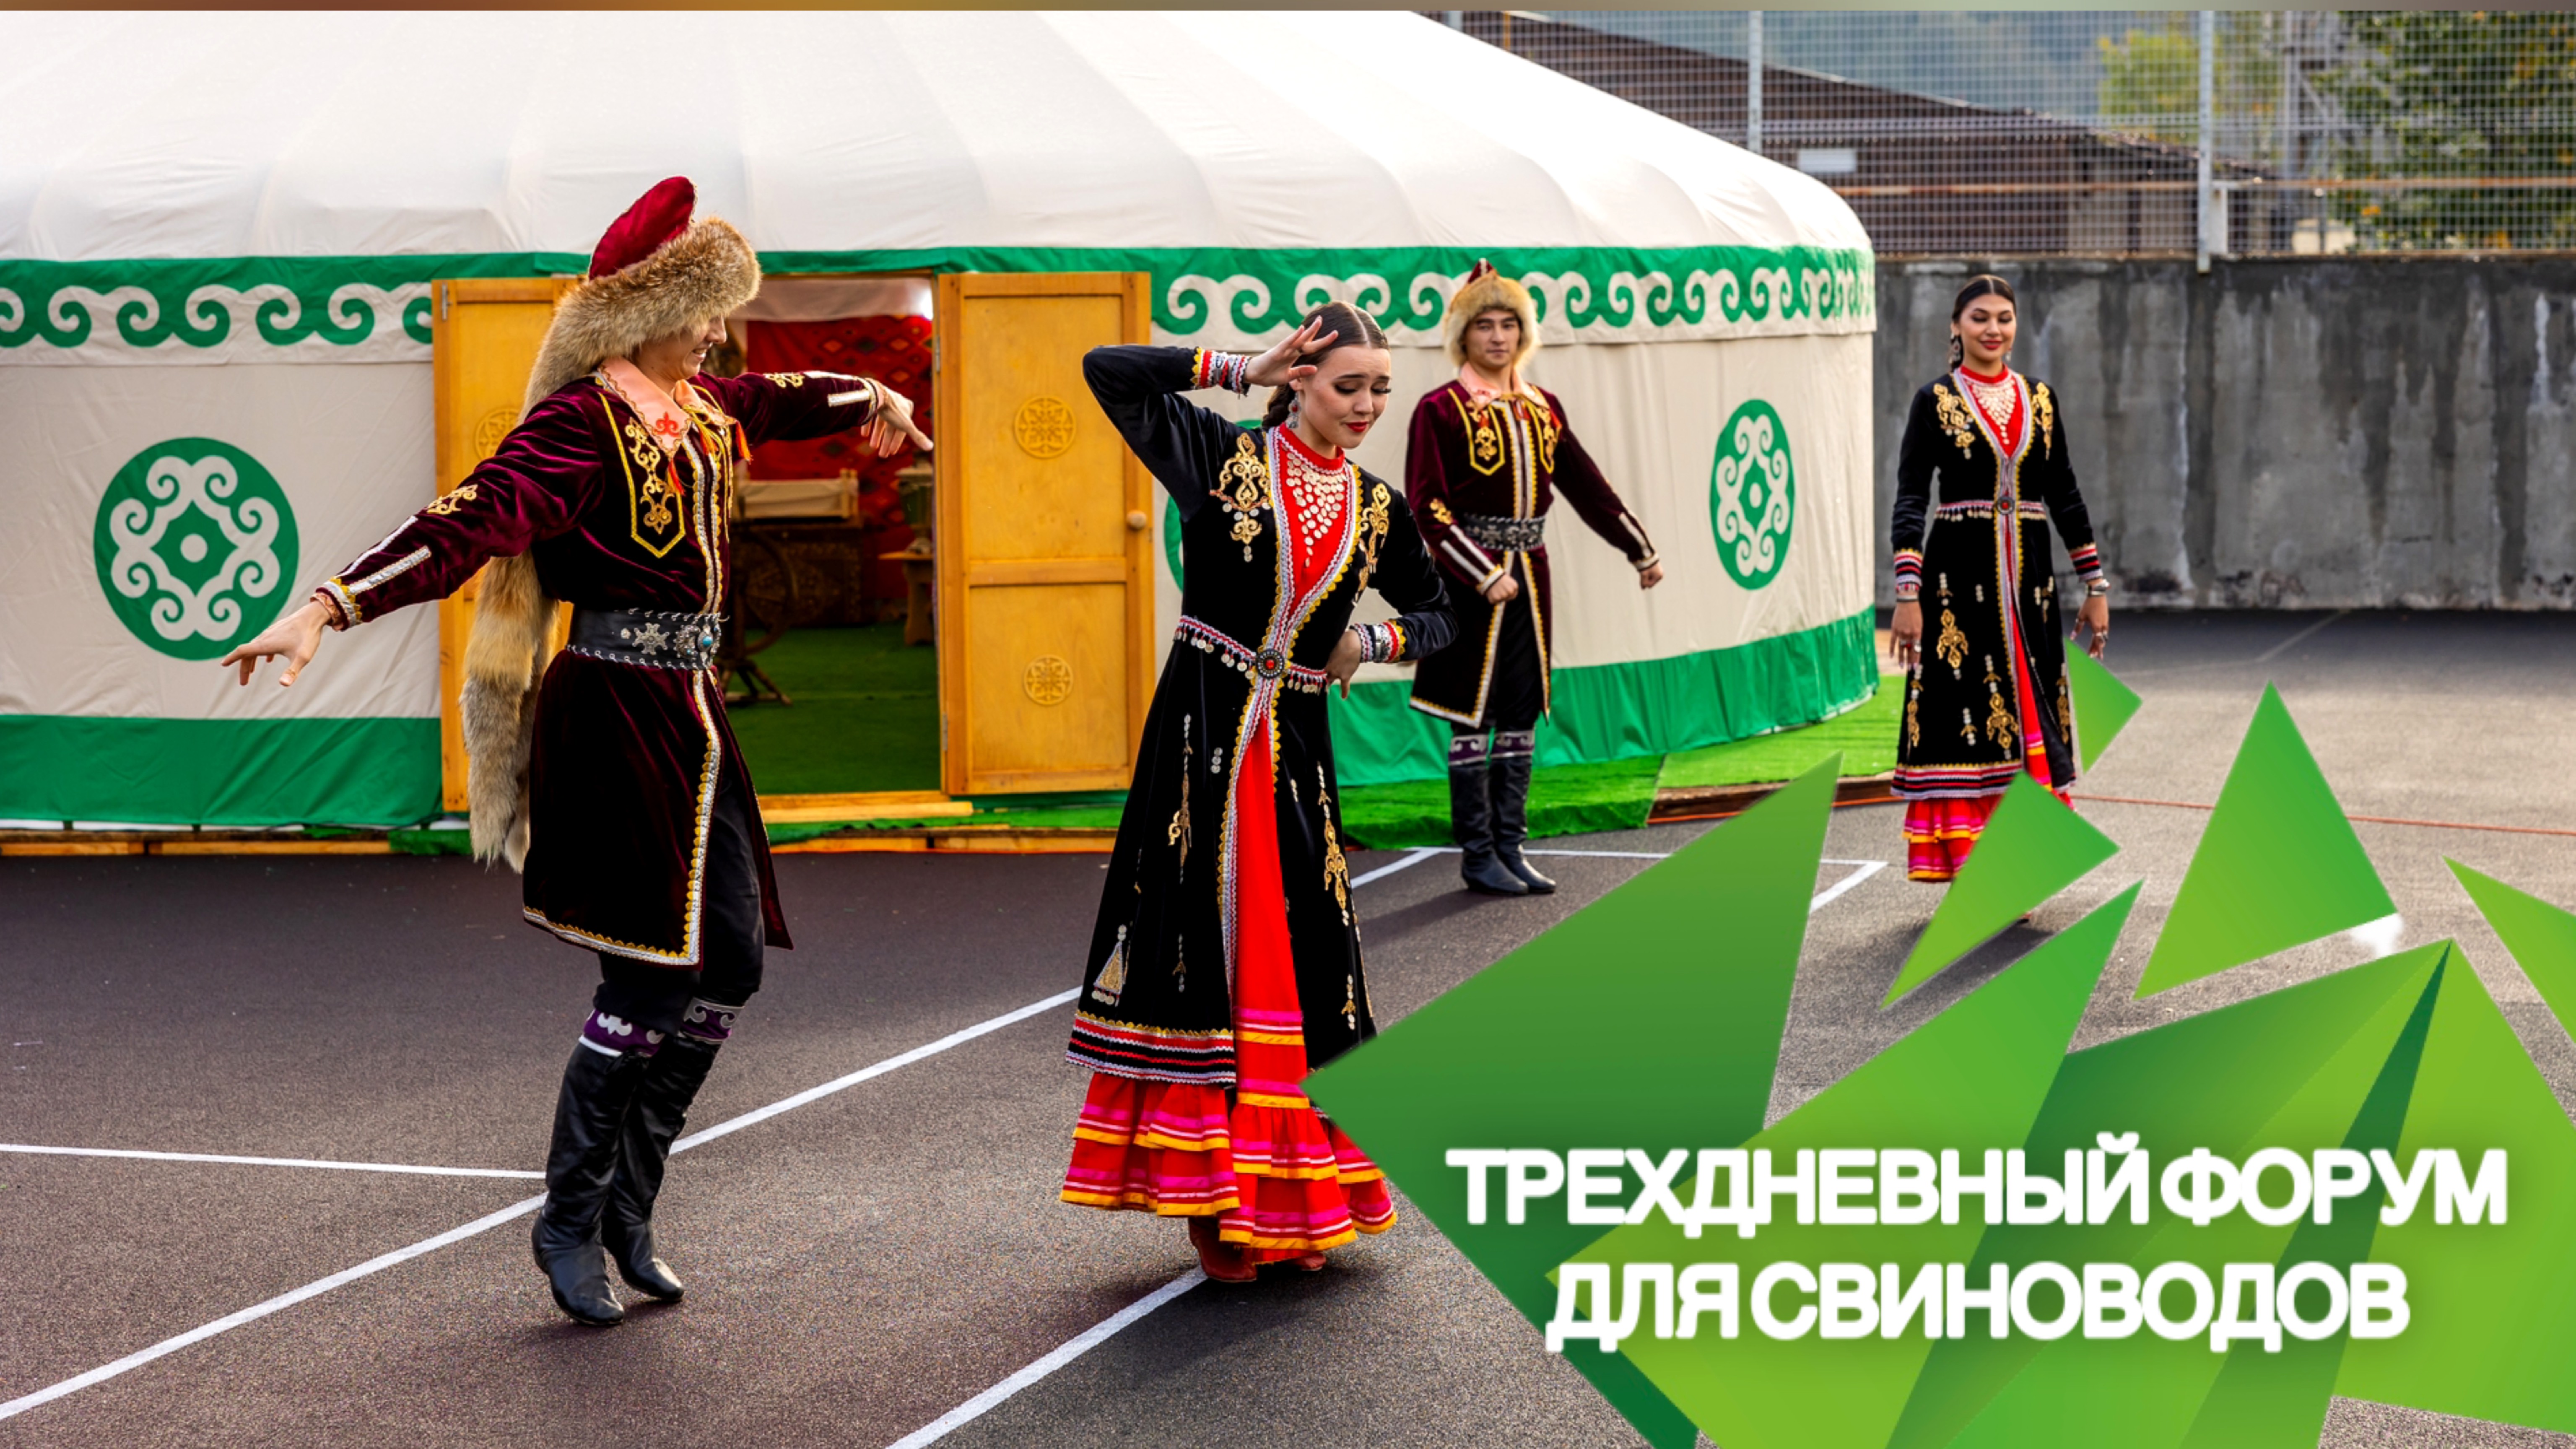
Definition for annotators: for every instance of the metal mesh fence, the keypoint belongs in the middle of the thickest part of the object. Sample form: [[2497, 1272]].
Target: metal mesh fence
[[2038, 132]]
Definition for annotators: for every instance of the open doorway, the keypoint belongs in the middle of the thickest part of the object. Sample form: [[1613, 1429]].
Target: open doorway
[[835, 684]]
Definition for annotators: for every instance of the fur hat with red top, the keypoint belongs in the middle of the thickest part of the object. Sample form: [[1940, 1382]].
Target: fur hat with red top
[[1487, 290], [657, 270]]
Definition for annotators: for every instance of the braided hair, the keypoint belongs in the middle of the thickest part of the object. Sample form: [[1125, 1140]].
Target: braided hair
[[1350, 327]]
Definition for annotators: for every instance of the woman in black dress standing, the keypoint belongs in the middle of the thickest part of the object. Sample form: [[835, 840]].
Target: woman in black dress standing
[[1226, 959], [1988, 700]]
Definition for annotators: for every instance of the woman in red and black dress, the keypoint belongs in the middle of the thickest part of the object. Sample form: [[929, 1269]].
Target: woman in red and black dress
[[1226, 959], [1987, 700]]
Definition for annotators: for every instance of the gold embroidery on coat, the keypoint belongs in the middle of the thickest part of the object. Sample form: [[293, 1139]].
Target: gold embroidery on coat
[[1337, 870], [788, 379], [1484, 438], [2065, 716], [1243, 486], [1543, 423], [1374, 523], [2045, 411], [1913, 723], [461, 495], [1179, 834], [2000, 724], [1951, 645], [1113, 974], [1967, 726], [649, 502], [1440, 513], [1954, 417]]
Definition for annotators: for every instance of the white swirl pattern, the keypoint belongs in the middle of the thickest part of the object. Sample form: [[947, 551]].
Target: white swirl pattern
[[249, 569]]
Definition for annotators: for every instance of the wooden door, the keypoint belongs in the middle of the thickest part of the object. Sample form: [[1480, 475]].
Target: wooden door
[[484, 334], [1046, 601]]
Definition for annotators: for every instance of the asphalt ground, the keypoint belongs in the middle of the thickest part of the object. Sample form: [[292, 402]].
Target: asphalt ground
[[870, 1261]]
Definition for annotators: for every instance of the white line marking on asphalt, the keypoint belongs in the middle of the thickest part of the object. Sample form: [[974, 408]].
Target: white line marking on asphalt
[[1072, 1348], [320, 1286], [1416, 858], [257, 1311], [1866, 869], [267, 1161], [1099, 1333], [972, 1409], [2277, 650], [837, 1084]]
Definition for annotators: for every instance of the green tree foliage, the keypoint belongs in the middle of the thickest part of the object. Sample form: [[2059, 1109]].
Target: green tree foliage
[[2443, 93], [2151, 79]]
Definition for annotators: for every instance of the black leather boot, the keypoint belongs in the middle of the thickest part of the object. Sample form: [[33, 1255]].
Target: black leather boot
[[1511, 821], [661, 1109], [1471, 822], [590, 1118]]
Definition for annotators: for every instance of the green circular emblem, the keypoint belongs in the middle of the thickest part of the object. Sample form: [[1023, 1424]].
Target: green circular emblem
[[195, 545], [1752, 498]]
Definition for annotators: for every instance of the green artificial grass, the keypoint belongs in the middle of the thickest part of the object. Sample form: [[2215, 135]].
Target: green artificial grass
[[1565, 800], [866, 715], [1866, 736]]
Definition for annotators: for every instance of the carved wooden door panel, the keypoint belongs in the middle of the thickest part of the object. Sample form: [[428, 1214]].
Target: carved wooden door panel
[[1046, 605]]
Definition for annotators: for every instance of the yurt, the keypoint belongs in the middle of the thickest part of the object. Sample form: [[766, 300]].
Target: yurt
[[269, 282]]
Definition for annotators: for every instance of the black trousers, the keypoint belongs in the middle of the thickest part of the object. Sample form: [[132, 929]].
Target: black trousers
[[730, 935], [1519, 691]]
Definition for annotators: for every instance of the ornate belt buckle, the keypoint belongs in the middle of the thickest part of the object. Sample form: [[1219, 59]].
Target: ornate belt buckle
[[1270, 663]]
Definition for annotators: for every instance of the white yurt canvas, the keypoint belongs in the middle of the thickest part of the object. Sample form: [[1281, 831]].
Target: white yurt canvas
[[215, 340]]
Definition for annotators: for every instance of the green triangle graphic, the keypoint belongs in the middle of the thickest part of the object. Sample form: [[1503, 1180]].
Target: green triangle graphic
[[2493, 1306], [2279, 866], [2265, 1400], [2031, 849], [1650, 1019], [2295, 1067], [2541, 937], [1976, 1074], [2103, 705]]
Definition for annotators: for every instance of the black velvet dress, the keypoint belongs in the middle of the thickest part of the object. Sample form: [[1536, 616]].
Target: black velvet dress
[[1225, 962], [1987, 700]]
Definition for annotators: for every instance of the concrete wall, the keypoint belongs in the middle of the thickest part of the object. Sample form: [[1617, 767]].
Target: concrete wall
[[2289, 434]]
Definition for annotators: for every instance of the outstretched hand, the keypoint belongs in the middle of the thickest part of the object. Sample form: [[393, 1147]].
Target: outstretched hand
[[891, 425], [293, 638], [1283, 364]]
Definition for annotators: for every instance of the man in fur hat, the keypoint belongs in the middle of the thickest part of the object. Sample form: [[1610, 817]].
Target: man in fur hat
[[608, 774], [1487, 454]]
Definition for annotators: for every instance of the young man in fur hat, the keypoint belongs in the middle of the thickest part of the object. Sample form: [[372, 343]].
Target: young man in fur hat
[[1487, 454], [608, 775]]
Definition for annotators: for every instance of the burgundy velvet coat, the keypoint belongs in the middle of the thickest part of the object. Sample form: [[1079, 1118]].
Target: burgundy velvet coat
[[1505, 457], [627, 759]]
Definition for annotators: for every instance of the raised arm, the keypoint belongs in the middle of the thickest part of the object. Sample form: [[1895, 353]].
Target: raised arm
[[531, 488], [1180, 443], [786, 406]]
